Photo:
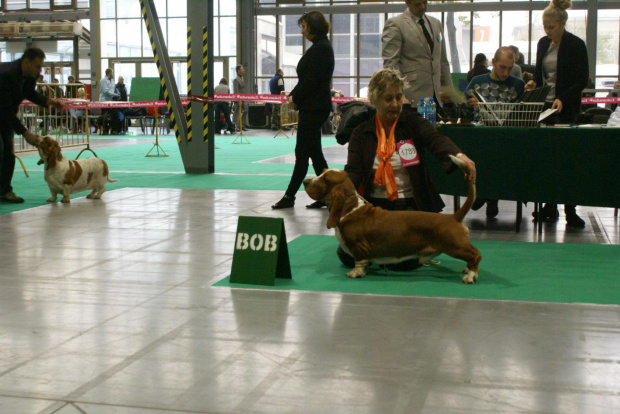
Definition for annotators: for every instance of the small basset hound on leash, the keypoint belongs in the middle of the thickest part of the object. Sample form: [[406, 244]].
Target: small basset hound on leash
[[64, 176], [374, 235]]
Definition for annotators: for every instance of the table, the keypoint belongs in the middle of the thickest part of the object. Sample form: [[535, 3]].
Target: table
[[578, 166]]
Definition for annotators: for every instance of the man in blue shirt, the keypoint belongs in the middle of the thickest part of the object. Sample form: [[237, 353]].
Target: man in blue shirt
[[497, 86], [276, 87], [107, 92], [17, 81]]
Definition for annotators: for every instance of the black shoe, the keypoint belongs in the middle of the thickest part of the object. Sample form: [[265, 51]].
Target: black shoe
[[285, 202], [317, 204], [573, 220], [492, 209], [11, 198], [478, 203]]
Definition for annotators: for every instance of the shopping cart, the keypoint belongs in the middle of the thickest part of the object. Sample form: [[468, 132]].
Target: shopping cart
[[518, 114]]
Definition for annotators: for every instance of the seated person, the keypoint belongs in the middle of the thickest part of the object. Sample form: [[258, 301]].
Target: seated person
[[497, 86], [374, 165], [78, 116], [481, 66]]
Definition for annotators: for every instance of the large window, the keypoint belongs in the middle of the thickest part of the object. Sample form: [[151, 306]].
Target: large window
[[470, 27]]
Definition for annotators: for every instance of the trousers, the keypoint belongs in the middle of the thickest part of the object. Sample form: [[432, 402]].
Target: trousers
[[7, 159], [308, 147]]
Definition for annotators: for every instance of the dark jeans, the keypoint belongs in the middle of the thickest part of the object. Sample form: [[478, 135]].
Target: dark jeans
[[7, 159], [308, 147], [225, 108]]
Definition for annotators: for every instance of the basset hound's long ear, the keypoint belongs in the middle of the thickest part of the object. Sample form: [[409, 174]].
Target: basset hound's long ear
[[52, 150], [335, 207]]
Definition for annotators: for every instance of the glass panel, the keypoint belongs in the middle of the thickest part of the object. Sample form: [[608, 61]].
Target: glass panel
[[218, 72], [341, 23], [40, 4], [266, 51], [232, 73], [486, 33], [107, 9], [458, 38], [147, 49], [149, 70], [127, 71], [291, 49], [177, 8], [180, 75], [129, 39], [160, 6], [65, 51], [216, 37], [576, 24], [228, 8], [15, 4], [128, 8], [607, 44], [61, 3], [345, 47], [228, 36], [108, 38], [348, 86], [177, 37]]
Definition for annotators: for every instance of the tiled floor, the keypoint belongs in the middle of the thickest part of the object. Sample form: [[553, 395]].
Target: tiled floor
[[107, 307]]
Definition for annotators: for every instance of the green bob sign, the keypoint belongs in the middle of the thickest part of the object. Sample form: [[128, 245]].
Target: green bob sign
[[261, 253]]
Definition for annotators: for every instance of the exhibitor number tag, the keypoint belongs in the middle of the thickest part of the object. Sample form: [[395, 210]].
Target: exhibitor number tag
[[408, 154]]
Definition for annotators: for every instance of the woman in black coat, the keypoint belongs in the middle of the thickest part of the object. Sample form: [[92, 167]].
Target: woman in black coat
[[312, 97], [562, 62]]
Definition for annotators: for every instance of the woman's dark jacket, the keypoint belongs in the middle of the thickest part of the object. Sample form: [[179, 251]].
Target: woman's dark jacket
[[572, 72], [315, 70], [363, 149], [479, 69], [14, 87]]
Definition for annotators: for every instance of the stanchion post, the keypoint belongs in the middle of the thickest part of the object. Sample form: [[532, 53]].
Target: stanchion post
[[240, 117]]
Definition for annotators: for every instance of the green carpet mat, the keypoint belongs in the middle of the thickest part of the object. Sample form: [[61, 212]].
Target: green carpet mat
[[538, 272], [129, 164]]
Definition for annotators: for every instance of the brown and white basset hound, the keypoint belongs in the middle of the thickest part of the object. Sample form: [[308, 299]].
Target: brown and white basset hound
[[374, 235], [64, 176]]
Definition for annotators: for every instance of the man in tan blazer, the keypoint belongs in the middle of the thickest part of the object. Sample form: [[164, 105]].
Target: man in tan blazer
[[405, 47]]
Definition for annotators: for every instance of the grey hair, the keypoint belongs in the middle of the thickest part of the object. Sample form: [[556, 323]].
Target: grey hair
[[381, 79], [556, 10]]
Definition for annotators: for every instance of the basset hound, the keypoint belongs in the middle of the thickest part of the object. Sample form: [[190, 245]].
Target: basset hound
[[374, 235], [64, 176]]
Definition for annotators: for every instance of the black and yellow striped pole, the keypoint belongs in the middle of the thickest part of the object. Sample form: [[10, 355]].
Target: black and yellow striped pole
[[160, 53], [189, 82], [205, 83]]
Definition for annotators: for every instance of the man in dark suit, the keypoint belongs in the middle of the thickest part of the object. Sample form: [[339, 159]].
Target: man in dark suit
[[17, 81]]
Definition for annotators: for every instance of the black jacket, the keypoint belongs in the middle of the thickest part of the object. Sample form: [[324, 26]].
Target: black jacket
[[363, 149], [315, 70], [121, 89], [572, 70], [14, 88]]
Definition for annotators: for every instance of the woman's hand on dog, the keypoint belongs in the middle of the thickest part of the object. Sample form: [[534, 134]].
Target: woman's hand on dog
[[31, 138], [469, 168]]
